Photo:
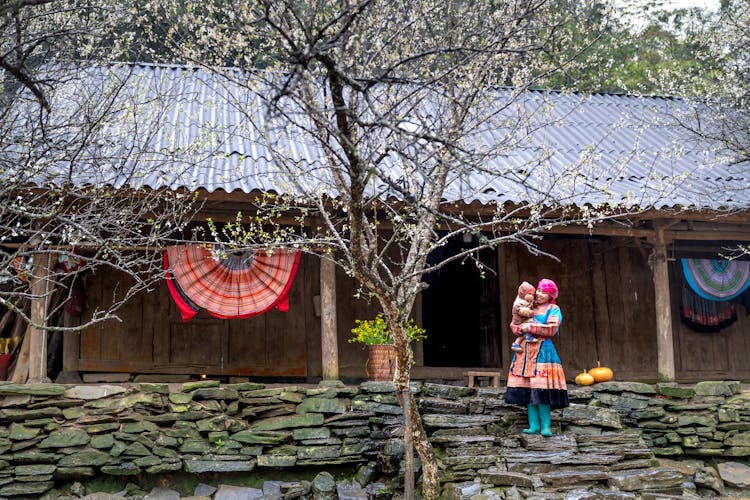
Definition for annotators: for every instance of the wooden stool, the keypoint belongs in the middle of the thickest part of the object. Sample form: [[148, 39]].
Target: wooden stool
[[495, 377]]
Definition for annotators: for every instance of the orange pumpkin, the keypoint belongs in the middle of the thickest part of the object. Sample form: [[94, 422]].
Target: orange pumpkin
[[601, 373], [584, 378]]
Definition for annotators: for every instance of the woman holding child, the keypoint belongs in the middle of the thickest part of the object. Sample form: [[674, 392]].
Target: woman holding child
[[536, 377]]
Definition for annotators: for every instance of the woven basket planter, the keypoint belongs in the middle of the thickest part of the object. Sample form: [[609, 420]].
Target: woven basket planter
[[381, 362], [4, 363]]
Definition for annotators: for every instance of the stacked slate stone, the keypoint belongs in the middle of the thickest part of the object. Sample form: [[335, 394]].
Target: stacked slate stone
[[616, 440], [709, 419], [484, 452], [54, 432]]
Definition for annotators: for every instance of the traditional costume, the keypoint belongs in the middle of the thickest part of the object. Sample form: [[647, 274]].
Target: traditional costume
[[536, 377]]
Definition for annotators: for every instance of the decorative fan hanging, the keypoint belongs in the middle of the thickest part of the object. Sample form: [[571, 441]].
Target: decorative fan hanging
[[717, 279], [231, 285]]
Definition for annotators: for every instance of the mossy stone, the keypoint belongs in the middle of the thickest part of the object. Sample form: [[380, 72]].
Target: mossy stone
[[65, 438], [157, 388], [714, 388], [74, 472], [198, 446], [277, 460], [201, 466], [147, 461], [136, 449], [164, 467], [34, 389], [201, 384], [164, 452], [206, 393], [85, 458], [138, 427], [305, 433], [123, 469], [43, 416], [73, 413], [180, 398], [26, 489], [261, 437], [218, 436], [102, 441], [35, 469], [20, 432], [289, 421], [118, 448], [672, 390], [323, 405]]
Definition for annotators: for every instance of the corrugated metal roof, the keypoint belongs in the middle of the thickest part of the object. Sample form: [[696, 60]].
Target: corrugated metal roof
[[636, 152]]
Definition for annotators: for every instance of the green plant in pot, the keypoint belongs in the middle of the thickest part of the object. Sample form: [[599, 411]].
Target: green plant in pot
[[373, 333]]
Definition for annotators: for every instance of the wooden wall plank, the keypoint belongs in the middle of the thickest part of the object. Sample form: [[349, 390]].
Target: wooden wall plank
[[601, 304], [509, 281], [489, 313], [166, 315], [637, 300], [71, 344], [311, 281], [96, 288], [153, 319], [197, 343]]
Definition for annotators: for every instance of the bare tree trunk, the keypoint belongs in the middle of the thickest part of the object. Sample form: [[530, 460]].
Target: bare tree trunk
[[430, 481], [404, 399], [414, 433]]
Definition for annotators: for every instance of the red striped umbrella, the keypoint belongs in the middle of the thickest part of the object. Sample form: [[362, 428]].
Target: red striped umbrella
[[234, 285]]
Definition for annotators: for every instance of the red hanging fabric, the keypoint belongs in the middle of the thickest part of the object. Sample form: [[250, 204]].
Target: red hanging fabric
[[233, 285]]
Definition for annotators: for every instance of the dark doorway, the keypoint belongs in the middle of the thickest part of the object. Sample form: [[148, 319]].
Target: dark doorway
[[460, 310]]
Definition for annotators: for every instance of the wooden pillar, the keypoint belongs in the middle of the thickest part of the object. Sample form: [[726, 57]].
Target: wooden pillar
[[663, 307], [37, 332], [328, 323]]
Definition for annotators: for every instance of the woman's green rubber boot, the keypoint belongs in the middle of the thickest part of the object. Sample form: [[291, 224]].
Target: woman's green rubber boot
[[545, 419], [533, 411]]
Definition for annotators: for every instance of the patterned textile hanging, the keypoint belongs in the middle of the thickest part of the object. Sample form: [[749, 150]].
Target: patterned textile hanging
[[235, 285], [702, 315], [717, 279]]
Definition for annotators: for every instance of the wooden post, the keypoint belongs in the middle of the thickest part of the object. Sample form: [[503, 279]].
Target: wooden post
[[663, 308], [328, 323], [37, 335]]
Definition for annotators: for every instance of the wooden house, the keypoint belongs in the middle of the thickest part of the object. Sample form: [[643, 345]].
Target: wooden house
[[620, 281]]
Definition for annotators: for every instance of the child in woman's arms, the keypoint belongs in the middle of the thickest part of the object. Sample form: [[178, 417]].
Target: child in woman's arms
[[523, 312]]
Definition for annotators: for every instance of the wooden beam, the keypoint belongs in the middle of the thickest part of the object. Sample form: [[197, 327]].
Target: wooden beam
[[663, 309], [507, 267], [600, 230], [328, 321], [717, 235], [37, 333]]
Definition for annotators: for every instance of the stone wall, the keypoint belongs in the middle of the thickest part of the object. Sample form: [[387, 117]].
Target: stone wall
[[634, 438]]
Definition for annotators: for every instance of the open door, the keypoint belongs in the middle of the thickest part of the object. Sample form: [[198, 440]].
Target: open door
[[460, 310]]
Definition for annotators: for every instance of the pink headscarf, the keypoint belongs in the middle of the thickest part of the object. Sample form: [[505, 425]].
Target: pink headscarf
[[549, 287]]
